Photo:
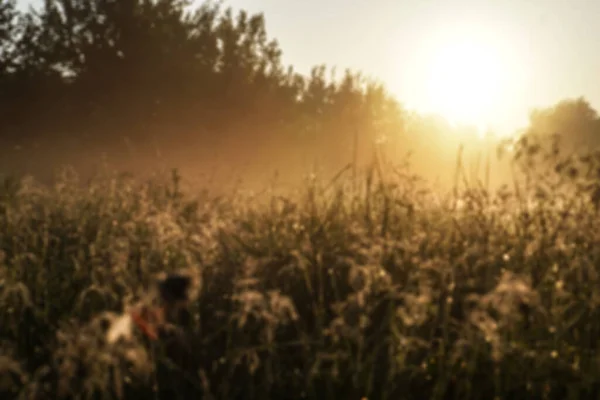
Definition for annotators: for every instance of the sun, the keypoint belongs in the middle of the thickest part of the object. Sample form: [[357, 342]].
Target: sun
[[465, 81], [468, 74]]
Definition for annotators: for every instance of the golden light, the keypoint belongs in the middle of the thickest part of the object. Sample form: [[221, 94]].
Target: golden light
[[465, 83], [468, 75]]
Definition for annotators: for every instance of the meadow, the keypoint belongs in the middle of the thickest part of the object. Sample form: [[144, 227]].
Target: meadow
[[373, 285]]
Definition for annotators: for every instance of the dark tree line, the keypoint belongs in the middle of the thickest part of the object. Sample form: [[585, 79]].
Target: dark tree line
[[101, 70], [575, 121], [85, 75]]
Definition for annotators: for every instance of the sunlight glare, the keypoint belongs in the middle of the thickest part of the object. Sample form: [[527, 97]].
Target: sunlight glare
[[468, 76], [464, 83]]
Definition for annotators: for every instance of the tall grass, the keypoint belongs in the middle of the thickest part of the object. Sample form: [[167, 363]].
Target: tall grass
[[373, 286]]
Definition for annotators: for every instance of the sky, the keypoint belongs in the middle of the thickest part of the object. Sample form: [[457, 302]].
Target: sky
[[430, 53]]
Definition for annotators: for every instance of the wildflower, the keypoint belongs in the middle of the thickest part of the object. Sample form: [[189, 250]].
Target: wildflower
[[147, 320], [173, 294], [120, 328]]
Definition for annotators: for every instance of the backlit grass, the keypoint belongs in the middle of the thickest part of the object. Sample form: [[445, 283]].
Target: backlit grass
[[379, 287]]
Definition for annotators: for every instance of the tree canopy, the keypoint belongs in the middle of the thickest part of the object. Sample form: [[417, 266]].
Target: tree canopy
[[201, 82], [103, 70], [574, 120]]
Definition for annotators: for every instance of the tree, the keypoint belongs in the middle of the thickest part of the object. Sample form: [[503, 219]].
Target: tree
[[8, 35], [573, 120], [206, 78]]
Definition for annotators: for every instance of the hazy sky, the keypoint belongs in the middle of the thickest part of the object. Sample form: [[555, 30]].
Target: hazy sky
[[544, 50]]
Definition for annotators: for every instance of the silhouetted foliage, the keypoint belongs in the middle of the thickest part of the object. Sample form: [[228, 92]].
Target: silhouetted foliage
[[8, 27], [573, 120], [90, 73]]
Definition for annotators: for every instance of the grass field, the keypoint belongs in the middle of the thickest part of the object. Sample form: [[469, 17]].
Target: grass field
[[377, 288]]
